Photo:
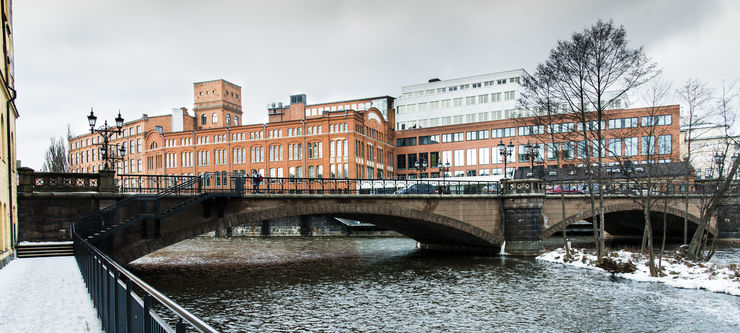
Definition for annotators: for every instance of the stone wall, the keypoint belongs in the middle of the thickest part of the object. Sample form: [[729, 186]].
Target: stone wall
[[47, 216]]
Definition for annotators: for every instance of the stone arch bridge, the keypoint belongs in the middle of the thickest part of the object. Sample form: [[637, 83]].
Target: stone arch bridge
[[478, 223]]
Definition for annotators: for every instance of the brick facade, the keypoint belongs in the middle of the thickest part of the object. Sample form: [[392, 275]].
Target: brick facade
[[471, 149]]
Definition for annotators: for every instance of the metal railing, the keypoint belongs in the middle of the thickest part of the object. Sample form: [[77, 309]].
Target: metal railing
[[291, 185], [110, 285], [113, 292], [127, 183]]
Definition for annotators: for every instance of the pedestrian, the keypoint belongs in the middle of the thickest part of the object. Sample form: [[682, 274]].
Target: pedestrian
[[256, 180]]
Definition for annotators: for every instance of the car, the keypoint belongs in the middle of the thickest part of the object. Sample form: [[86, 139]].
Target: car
[[490, 189], [421, 188], [565, 190]]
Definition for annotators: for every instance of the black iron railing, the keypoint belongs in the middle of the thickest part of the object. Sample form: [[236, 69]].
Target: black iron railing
[[292, 185], [112, 287], [114, 292]]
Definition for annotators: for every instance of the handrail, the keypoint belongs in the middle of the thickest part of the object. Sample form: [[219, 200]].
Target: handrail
[[95, 223], [161, 298], [241, 184]]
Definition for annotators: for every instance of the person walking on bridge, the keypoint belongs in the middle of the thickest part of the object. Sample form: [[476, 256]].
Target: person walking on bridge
[[256, 180]]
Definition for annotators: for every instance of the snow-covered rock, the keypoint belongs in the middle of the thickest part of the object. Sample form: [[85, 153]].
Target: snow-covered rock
[[681, 274]]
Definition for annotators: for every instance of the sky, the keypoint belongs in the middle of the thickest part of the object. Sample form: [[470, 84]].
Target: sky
[[142, 57]]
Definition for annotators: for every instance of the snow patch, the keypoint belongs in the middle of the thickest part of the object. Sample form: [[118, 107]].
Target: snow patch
[[46, 243], [681, 274], [45, 295]]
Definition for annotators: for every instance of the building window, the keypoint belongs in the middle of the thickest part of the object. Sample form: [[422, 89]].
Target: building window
[[648, 145], [214, 118], [664, 144], [203, 119], [228, 119]]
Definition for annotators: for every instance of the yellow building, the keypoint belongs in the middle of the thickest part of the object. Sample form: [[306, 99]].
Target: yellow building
[[8, 114]]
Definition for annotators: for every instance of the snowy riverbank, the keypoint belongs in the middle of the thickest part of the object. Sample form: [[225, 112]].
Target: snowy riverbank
[[45, 295], [721, 278]]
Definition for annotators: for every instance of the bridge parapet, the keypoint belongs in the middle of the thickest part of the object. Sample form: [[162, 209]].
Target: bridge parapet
[[520, 186], [32, 181]]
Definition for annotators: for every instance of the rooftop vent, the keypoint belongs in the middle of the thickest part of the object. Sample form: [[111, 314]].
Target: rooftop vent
[[434, 80]]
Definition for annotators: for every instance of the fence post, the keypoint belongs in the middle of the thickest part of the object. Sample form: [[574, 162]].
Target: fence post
[[128, 305], [147, 313]]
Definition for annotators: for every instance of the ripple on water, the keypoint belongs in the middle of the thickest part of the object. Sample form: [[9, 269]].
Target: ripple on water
[[367, 284]]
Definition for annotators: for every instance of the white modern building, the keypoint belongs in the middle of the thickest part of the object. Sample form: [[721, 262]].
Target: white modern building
[[708, 143], [459, 101]]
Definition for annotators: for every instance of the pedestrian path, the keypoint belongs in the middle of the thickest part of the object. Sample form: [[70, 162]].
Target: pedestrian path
[[45, 295]]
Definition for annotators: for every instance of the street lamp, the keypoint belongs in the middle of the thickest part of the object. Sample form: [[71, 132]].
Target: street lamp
[[420, 167], [719, 159], [531, 152], [107, 133], [505, 152]]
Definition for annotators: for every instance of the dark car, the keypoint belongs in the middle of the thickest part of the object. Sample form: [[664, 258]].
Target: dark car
[[421, 188]]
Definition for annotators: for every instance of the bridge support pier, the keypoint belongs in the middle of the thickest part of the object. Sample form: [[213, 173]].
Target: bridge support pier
[[523, 221]]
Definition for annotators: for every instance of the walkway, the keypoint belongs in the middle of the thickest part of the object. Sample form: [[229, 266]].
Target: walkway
[[45, 295]]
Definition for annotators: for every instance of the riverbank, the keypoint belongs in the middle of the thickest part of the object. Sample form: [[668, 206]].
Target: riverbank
[[717, 277]]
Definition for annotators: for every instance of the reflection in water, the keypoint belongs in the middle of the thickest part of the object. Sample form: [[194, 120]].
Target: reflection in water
[[386, 284]]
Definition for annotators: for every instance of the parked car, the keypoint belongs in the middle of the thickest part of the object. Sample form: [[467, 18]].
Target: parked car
[[491, 189], [421, 188], [565, 190]]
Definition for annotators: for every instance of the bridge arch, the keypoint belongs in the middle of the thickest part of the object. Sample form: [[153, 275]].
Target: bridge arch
[[624, 209], [419, 224]]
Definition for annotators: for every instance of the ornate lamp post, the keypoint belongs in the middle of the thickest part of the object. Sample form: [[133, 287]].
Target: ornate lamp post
[[531, 152], [719, 159], [107, 133], [505, 151], [420, 167]]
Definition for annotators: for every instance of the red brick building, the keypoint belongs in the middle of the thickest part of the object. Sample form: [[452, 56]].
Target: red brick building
[[344, 139], [473, 149]]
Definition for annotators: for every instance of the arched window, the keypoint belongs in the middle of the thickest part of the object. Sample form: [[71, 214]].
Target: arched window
[[228, 119], [236, 121], [153, 145], [203, 119], [214, 118]]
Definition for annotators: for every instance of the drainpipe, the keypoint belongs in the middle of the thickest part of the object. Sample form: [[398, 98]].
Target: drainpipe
[[265, 152], [11, 163]]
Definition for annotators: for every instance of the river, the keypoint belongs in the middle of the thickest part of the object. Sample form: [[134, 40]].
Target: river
[[388, 285]]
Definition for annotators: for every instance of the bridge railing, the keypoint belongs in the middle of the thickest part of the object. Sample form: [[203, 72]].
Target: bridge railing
[[114, 291], [130, 183], [308, 185], [110, 285]]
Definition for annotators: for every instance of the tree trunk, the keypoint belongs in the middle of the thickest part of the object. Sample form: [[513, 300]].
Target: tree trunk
[[649, 231]]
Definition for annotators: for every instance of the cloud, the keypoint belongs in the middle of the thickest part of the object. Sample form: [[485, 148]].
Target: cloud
[[143, 56]]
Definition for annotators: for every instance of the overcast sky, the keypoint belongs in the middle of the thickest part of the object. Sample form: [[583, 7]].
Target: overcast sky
[[143, 56]]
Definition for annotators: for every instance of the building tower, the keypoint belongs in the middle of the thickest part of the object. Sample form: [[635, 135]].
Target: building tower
[[217, 103]]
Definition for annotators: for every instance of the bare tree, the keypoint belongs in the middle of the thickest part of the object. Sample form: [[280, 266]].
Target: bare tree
[[591, 71], [539, 98], [727, 165], [696, 97], [55, 159], [648, 187]]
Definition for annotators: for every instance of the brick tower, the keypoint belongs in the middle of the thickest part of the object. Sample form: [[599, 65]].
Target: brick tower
[[217, 103]]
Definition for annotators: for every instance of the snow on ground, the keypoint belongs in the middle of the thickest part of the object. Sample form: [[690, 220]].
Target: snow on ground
[[681, 274], [45, 243], [45, 295]]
